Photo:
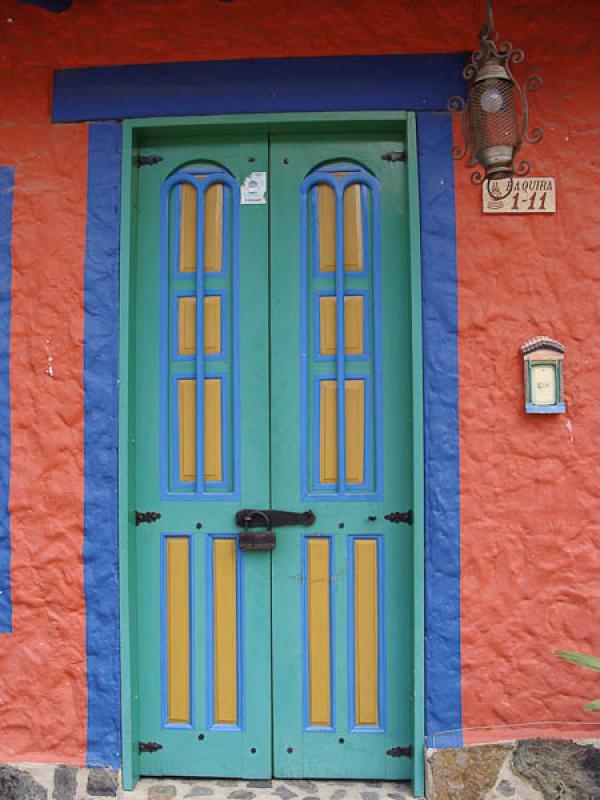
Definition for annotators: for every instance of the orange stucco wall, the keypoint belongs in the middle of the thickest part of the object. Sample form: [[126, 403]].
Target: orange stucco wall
[[530, 486]]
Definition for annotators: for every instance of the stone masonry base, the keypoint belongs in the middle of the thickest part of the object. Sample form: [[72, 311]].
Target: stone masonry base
[[532, 769], [49, 782]]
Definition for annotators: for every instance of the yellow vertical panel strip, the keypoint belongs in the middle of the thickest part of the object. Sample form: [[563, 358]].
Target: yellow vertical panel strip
[[213, 448], [187, 430], [354, 325], [355, 431], [187, 326], [327, 325], [178, 629], [212, 325], [187, 229], [225, 631], [353, 230], [213, 228], [328, 433], [326, 205], [366, 632], [319, 633]]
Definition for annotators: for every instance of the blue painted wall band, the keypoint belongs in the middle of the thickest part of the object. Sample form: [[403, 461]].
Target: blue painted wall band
[[442, 481], [261, 85], [7, 185], [100, 372]]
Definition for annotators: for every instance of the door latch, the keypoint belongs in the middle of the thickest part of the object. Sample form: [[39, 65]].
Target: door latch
[[255, 518]]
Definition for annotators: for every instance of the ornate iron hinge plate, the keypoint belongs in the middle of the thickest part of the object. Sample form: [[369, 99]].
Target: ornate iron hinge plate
[[146, 516], [400, 752], [400, 516], [149, 747], [149, 161], [394, 155]]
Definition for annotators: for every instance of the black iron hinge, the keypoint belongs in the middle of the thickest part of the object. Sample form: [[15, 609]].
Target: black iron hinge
[[394, 155], [149, 747], [149, 161], [400, 516], [399, 752], [146, 516]]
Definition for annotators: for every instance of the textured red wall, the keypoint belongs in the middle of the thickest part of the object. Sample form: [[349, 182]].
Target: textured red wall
[[530, 486]]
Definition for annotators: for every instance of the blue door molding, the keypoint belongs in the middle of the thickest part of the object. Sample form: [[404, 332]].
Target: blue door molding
[[421, 83], [7, 185]]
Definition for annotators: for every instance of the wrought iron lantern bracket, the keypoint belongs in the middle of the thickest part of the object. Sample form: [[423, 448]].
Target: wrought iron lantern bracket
[[495, 114]]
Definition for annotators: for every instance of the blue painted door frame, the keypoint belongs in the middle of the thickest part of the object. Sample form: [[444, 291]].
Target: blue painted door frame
[[440, 375]]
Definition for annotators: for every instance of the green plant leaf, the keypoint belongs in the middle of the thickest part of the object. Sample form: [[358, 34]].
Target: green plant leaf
[[593, 706], [580, 658]]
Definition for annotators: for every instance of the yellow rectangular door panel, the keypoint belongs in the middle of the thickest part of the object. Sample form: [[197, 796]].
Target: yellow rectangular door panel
[[187, 326], [178, 629], [355, 431], [366, 632], [187, 429], [328, 432], [354, 325], [213, 434], [319, 633], [225, 631]]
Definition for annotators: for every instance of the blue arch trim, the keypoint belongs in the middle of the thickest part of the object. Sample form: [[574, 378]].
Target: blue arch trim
[[100, 372], [7, 185], [443, 708], [261, 85]]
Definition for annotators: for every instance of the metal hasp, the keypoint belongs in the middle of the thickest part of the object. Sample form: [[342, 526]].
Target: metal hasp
[[146, 516], [493, 125], [400, 516], [267, 518], [394, 155], [149, 747], [400, 752], [255, 518]]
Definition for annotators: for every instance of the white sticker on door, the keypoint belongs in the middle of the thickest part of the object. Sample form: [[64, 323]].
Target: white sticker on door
[[254, 189]]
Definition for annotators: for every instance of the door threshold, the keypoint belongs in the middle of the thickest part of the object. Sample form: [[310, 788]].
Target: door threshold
[[274, 789]]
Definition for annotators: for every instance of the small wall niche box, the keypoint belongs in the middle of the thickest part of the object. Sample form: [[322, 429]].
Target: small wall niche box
[[543, 369]]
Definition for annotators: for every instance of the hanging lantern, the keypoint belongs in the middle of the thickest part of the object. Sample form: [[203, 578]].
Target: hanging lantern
[[495, 114]]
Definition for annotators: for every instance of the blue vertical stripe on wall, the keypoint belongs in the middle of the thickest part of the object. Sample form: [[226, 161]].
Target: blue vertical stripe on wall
[[7, 183], [100, 373], [443, 717]]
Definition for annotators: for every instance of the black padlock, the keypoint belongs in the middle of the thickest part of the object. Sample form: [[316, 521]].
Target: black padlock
[[259, 540]]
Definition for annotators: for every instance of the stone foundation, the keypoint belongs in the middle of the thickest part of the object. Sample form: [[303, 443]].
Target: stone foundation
[[532, 769], [50, 782]]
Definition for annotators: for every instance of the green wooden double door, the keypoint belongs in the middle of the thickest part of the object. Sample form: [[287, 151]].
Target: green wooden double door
[[273, 371]]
